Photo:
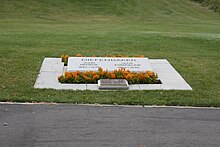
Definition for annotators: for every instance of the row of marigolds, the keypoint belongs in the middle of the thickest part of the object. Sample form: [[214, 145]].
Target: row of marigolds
[[148, 77]]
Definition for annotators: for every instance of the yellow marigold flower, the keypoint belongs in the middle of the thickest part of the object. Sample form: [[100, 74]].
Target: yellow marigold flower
[[102, 73], [62, 58], [79, 55], [146, 76]]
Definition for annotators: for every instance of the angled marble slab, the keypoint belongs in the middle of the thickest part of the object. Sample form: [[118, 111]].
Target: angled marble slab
[[52, 65], [170, 78], [48, 77]]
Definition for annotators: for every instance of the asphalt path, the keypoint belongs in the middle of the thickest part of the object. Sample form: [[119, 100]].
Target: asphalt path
[[66, 125]]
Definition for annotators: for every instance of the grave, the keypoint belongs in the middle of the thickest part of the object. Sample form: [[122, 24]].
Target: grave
[[107, 63], [53, 67]]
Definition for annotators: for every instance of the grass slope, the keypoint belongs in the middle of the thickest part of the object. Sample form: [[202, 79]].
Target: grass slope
[[211, 4], [181, 31]]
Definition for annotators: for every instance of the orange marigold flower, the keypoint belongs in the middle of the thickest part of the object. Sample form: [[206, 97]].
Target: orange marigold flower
[[76, 77], [103, 73], [92, 73], [129, 77], [74, 74], [109, 73], [142, 76], [100, 69], [78, 72], [67, 56], [126, 72], [150, 73], [86, 73], [68, 75], [86, 77], [112, 76], [122, 69], [95, 77]]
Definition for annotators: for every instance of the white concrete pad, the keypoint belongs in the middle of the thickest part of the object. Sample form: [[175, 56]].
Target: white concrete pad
[[59, 86], [134, 87], [52, 65], [74, 86], [175, 86], [92, 87], [150, 86], [48, 77], [52, 68]]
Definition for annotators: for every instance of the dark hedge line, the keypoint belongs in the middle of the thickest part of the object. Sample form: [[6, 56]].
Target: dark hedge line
[[211, 4]]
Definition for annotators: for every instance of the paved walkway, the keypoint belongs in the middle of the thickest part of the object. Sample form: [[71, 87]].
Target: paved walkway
[[67, 125]]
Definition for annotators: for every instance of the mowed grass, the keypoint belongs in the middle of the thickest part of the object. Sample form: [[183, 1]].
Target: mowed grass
[[181, 31]]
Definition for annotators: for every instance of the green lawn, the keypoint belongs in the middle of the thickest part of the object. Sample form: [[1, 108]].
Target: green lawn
[[181, 31]]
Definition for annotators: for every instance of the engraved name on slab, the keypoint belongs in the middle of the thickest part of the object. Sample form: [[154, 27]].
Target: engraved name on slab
[[107, 63]]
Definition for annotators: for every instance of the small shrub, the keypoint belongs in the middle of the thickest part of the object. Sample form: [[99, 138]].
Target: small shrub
[[64, 59]]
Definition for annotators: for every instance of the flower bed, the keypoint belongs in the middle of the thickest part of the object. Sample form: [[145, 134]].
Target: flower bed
[[78, 77]]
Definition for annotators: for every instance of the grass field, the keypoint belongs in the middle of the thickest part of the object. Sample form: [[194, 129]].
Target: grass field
[[181, 31]]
